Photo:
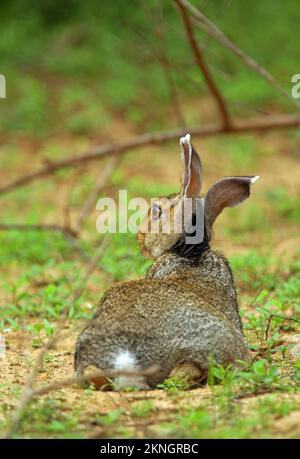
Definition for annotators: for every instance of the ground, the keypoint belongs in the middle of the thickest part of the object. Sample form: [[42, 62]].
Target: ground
[[39, 271]]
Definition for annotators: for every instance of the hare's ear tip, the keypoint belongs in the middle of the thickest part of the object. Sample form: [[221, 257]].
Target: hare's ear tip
[[185, 140], [254, 179]]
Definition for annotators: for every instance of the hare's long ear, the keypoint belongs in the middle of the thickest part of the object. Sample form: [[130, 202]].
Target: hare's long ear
[[227, 192], [192, 172]]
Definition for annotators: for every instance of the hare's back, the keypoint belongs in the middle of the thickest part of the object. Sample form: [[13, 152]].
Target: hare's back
[[146, 301], [162, 315], [156, 323]]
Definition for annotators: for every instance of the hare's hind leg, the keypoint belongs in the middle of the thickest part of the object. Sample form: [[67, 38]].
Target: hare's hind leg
[[189, 372], [92, 375]]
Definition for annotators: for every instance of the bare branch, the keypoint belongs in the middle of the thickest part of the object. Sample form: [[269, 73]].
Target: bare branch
[[211, 29], [202, 65], [89, 271], [278, 316], [257, 124], [89, 376], [161, 55], [90, 201], [39, 227], [28, 391], [174, 97]]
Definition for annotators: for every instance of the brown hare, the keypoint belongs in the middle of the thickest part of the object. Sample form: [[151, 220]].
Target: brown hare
[[184, 314]]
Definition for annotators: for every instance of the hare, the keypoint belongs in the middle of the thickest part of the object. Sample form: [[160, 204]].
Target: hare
[[184, 314]]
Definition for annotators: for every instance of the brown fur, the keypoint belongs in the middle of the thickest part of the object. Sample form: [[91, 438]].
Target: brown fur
[[184, 314]]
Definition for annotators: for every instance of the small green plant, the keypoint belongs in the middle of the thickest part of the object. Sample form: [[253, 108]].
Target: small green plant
[[196, 422], [50, 417], [219, 374], [142, 409], [261, 375], [108, 419], [41, 331], [173, 385]]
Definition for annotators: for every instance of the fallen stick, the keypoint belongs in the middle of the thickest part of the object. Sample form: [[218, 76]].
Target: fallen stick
[[64, 382], [28, 390], [257, 124]]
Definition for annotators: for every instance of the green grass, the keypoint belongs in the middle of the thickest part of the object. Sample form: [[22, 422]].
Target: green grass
[[142, 409], [286, 206], [221, 415], [218, 416], [51, 419], [51, 270], [40, 270]]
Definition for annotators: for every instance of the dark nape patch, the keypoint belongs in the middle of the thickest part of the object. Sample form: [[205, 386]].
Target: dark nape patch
[[191, 251]]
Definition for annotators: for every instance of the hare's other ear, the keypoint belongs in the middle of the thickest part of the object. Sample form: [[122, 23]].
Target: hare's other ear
[[192, 172], [227, 192]]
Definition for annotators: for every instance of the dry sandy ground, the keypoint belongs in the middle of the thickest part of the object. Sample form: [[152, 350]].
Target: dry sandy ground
[[20, 355]]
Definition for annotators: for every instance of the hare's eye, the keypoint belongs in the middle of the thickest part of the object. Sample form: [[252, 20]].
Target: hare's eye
[[156, 211]]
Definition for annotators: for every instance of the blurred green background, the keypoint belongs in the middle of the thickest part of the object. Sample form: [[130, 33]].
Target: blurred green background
[[81, 62], [81, 74]]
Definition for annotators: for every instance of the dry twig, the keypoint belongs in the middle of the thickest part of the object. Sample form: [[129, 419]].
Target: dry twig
[[211, 29], [90, 201], [202, 65], [160, 53], [278, 316], [256, 124], [89, 376], [28, 390]]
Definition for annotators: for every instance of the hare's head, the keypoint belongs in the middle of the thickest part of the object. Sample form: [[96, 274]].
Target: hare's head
[[182, 223]]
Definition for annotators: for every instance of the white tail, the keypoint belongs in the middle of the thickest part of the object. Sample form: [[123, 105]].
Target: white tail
[[125, 361]]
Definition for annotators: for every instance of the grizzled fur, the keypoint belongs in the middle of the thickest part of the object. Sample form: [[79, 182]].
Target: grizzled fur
[[182, 312], [185, 312]]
